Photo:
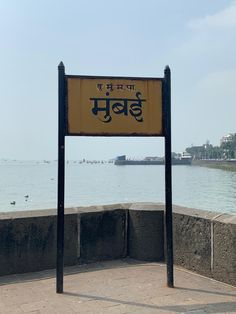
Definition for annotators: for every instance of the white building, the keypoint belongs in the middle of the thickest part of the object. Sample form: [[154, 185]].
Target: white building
[[227, 138]]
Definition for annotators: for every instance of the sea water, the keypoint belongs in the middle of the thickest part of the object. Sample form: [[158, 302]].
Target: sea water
[[33, 185]]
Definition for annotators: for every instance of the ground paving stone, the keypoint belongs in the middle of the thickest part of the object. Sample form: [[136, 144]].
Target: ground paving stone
[[121, 286]]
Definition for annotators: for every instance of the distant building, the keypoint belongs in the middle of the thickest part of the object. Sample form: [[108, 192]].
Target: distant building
[[151, 158], [122, 157], [227, 138]]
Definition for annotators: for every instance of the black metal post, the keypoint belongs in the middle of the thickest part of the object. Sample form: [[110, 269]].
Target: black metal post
[[61, 178], [168, 177]]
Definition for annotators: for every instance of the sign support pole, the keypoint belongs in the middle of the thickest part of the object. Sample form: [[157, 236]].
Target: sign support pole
[[61, 178], [168, 177]]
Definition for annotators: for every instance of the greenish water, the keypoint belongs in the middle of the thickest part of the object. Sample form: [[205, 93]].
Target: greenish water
[[94, 184]]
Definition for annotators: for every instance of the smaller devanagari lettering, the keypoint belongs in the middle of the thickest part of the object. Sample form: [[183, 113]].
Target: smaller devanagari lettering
[[99, 86], [110, 87], [119, 86], [130, 87]]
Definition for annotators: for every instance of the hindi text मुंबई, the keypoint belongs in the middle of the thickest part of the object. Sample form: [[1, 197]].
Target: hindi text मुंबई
[[118, 106]]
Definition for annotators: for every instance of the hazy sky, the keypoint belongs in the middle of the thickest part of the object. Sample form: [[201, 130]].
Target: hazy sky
[[197, 38]]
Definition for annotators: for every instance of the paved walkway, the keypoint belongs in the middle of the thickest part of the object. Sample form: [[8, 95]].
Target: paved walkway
[[124, 286]]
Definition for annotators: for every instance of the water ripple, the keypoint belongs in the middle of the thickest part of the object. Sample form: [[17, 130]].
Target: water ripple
[[92, 184]]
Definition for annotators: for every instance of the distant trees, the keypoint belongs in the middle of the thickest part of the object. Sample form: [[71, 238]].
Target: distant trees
[[226, 150], [228, 146], [197, 152]]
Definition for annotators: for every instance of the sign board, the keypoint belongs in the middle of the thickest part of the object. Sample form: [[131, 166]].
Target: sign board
[[114, 106]]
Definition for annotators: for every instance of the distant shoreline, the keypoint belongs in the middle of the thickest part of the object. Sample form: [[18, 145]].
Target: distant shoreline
[[227, 165]]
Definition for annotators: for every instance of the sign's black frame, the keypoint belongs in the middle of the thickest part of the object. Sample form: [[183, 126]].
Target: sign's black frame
[[63, 131]]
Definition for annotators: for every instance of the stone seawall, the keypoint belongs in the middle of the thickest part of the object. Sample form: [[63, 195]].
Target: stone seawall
[[204, 242], [229, 165]]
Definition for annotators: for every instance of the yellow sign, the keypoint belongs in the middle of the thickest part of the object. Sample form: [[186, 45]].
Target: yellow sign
[[114, 106]]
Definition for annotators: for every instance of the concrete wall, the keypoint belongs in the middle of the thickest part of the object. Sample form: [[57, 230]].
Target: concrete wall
[[224, 248], [192, 240], [146, 232], [204, 242], [28, 241], [103, 234]]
